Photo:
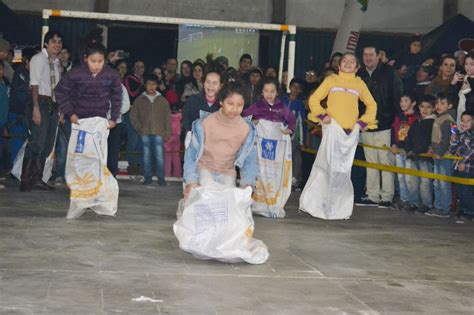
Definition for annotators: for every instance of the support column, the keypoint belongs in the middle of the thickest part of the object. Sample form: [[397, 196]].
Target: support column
[[450, 9], [279, 12]]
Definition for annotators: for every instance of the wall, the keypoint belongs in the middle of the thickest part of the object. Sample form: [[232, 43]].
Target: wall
[[230, 10], [39, 5], [401, 16]]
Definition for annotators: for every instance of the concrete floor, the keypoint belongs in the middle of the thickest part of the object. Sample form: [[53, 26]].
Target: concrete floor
[[379, 262]]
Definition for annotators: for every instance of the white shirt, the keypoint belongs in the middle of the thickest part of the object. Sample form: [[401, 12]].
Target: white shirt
[[40, 72], [125, 105]]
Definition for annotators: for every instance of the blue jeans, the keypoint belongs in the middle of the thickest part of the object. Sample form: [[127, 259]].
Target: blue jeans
[[3, 163], [62, 142], [421, 188], [156, 143], [134, 143], [17, 132], [401, 161], [442, 189], [465, 194]]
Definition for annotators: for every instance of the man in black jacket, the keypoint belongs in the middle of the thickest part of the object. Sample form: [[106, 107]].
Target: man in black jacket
[[386, 88]]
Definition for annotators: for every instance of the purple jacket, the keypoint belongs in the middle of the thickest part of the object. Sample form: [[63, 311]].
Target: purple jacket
[[279, 112], [78, 92]]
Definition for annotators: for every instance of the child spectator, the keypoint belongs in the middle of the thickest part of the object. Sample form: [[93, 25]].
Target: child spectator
[[424, 75], [419, 140], [220, 142], [410, 62], [254, 77], [462, 145], [401, 126], [439, 146], [206, 101], [294, 103], [173, 145], [151, 118]]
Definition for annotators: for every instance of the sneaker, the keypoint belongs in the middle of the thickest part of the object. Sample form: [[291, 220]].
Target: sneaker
[[385, 204], [2, 186], [410, 208], [366, 202], [148, 181], [437, 213], [422, 209], [400, 205], [58, 181], [465, 217], [161, 181]]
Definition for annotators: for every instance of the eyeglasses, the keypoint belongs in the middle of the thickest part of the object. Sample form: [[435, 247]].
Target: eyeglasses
[[310, 73]]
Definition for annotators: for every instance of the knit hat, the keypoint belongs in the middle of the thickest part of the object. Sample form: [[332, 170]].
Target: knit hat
[[4, 44]]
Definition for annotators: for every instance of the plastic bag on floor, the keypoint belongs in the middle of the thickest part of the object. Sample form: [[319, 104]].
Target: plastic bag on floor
[[328, 193], [217, 224], [91, 184], [273, 186], [48, 164]]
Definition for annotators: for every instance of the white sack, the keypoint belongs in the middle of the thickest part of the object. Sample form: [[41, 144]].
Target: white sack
[[217, 224], [328, 193], [91, 183]]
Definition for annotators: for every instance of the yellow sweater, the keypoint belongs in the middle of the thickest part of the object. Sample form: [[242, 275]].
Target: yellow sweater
[[343, 91]]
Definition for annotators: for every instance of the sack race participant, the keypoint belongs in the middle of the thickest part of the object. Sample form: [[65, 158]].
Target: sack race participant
[[274, 170], [87, 95], [91, 184], [216, 222], [329, 194], [274, 123]]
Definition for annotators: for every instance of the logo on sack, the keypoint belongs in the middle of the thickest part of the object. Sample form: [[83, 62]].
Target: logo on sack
[[269, 149], [81, 139]]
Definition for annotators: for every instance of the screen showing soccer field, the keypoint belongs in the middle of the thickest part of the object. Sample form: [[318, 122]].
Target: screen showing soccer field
[[197, 41]]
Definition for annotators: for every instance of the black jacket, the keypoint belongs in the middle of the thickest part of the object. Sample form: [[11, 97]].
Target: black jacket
[[453, 90], [386, 88], [194, 104], [419, 137], [20, 94]]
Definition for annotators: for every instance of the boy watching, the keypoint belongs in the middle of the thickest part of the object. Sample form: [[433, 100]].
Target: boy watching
[[295, 104], [419, 140], [440, 137], [151, 118], [462, 145]]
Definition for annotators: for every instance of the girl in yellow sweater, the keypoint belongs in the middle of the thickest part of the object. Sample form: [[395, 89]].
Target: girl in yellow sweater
[[343, 91], [329, 193]]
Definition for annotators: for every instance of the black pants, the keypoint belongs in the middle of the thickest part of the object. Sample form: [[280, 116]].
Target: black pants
[[358, 175], [113, 148], [41, 138]]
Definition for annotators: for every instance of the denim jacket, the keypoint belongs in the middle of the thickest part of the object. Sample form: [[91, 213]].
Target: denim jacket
[[246, 158]]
